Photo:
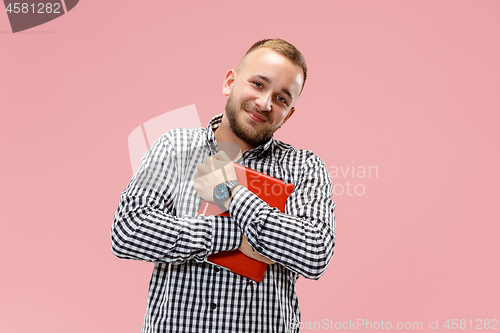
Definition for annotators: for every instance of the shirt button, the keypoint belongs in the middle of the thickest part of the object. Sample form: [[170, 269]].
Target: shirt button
[[217, 269], [213, 306]]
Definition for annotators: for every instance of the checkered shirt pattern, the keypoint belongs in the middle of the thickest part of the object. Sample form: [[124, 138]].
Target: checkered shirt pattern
[[157, 221]]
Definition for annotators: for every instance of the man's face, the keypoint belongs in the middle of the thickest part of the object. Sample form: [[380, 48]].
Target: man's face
[[261, 95]]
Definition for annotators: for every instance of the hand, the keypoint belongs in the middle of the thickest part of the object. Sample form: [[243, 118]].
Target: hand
[[247, 250], [210, 174]]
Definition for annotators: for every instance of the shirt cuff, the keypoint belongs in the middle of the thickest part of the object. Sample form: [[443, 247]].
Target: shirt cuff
[[248, 210], [226, 235]]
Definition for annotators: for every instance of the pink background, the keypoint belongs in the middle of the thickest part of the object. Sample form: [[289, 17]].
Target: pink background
[[411, 87]]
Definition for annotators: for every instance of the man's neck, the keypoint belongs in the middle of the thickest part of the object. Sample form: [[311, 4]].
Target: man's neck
[[223, 133]]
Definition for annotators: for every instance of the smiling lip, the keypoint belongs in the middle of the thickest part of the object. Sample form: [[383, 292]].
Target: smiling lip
[[256, 117]]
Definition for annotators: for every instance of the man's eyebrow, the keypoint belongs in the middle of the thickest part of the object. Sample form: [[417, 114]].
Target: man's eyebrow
[[284, 90], [264, 78]]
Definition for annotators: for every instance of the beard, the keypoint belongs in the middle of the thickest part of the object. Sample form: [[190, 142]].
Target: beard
[[254, 138]]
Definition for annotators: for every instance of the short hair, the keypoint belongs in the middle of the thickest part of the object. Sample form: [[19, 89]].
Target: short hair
[[284, 48]]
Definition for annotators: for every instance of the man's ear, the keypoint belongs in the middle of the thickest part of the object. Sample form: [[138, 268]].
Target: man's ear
[[292, 110], [228, 82]]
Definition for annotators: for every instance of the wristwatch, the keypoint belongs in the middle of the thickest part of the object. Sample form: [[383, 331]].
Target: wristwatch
[[224, 191]]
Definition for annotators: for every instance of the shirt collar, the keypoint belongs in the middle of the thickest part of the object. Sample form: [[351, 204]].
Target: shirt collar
[[215, 122]]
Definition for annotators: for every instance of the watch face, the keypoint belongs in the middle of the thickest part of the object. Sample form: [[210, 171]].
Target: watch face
[[221, 193]]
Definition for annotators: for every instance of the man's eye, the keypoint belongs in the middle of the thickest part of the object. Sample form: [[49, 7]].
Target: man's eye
[[258, 84], [281, 99]]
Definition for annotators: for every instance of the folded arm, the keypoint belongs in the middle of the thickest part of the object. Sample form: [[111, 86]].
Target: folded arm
[[145, 226], [302, 238]]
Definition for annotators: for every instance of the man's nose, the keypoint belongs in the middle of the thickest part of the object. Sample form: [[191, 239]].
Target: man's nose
[[264, 101]]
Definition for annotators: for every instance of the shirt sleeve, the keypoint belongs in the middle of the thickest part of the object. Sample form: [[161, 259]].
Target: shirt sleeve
[[145, 226], [302, 238]]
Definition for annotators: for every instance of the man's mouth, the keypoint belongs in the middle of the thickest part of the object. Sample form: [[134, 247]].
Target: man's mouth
[[257, 117]]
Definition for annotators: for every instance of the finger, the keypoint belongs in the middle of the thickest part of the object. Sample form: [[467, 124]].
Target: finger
[[220, 164], [203, 168], [199, 175], [208, 161], [260, 257], [221, 156]]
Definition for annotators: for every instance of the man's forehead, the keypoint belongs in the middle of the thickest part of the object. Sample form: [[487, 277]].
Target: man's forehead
[[265, 52], [263, 56], [265, 63]]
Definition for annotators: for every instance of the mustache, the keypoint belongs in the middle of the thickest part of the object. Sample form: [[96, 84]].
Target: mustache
[[254, 109]]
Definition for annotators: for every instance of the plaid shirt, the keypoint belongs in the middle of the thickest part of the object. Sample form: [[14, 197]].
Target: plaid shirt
[[157, 221]]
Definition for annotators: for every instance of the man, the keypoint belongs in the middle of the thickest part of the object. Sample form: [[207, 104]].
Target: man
[[157, 219]]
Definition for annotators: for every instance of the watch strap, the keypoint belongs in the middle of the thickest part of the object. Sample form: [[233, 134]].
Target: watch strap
[[231, 184]]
